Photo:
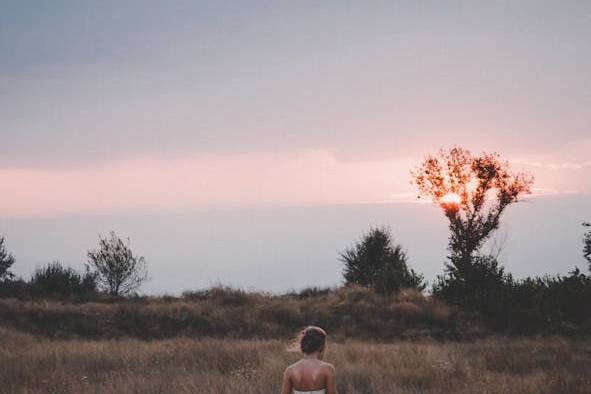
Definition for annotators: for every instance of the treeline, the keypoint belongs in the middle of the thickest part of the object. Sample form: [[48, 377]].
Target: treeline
[[534, 305], [382, 297], [112, 270]]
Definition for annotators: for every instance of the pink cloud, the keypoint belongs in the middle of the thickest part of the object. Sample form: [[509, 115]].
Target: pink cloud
[[202, 182]]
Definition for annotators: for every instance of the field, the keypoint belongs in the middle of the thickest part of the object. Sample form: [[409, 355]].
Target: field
[[225, 340], [30, 364]]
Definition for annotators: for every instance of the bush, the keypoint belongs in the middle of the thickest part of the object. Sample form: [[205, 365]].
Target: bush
[[56, 280], [375, 263], [16, 288], [312, 292], [223, 295], [566, 298], [550, 304], [587, 245], [6, 261]]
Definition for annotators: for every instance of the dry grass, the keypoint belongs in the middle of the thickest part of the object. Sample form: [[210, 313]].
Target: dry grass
[[229, 313], [182, 365]]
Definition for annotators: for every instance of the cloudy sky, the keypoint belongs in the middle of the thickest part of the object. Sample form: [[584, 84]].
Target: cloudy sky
[[150, 107], [146, 105]]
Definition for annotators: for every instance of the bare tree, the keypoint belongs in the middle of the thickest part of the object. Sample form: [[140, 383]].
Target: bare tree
[[6, 261], [473, 191], [119, 271]]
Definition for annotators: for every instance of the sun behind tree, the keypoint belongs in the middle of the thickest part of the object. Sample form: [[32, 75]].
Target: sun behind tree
[[473, 191]]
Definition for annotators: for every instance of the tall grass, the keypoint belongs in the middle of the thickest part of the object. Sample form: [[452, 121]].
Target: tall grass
[[183, 365], [231, 313]]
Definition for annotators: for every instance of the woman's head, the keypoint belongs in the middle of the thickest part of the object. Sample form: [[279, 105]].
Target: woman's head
[[312, 340]]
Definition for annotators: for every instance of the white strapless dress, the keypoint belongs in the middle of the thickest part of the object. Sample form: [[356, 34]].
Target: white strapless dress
[[323, 391]]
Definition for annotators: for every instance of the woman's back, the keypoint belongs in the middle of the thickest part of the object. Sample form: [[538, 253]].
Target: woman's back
[[310, 376]]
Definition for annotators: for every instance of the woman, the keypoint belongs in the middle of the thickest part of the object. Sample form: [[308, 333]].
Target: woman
[[310, 375]]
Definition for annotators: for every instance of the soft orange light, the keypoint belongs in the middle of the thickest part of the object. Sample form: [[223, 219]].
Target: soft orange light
[[451, 199]]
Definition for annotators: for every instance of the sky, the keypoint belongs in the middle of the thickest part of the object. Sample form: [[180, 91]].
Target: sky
[[163, 108]]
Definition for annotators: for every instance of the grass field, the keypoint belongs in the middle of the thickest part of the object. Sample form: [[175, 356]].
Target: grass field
[[30, 364]]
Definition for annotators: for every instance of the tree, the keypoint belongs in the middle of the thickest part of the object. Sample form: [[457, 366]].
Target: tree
[[587, 245], [374, 262], [119, 272], [473, 191], [6, 261]]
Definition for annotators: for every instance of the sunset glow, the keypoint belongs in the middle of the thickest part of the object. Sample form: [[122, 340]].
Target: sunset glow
[[451, 199]]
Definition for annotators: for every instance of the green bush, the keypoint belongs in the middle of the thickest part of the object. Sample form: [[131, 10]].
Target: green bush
[[377, 263]]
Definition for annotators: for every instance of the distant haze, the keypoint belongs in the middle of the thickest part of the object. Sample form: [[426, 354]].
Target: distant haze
[[134, 115]]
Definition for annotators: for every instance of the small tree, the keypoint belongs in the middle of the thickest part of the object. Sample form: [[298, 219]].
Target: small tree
[[473, 192], [6, 261], [374, 262], [119, 272], [587, 245]]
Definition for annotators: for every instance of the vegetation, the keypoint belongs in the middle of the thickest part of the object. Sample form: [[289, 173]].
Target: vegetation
[[218, 366], [346, 313], [376, 263], [473, 192], [6, 261], [56, 280], [587, 245], [462, 184], [118, 271], [383, 298], [524, 307]]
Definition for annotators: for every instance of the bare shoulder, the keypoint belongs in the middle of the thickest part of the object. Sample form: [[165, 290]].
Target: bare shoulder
[[328, 367], [290, 369]]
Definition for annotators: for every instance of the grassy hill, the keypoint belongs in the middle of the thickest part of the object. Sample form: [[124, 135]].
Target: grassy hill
[[231, 313]]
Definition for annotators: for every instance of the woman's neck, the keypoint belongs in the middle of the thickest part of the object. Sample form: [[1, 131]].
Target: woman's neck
[[313, 356]]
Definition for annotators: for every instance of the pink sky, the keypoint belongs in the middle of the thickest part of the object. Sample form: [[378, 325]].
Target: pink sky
[[115, 107], [231, 181]]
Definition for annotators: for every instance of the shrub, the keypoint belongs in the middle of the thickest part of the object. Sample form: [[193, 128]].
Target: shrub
[[55, 279], [549, 304], [587, 245], [16, 288], [223, 295], [6, 261], [376, 263], [312, 292]]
